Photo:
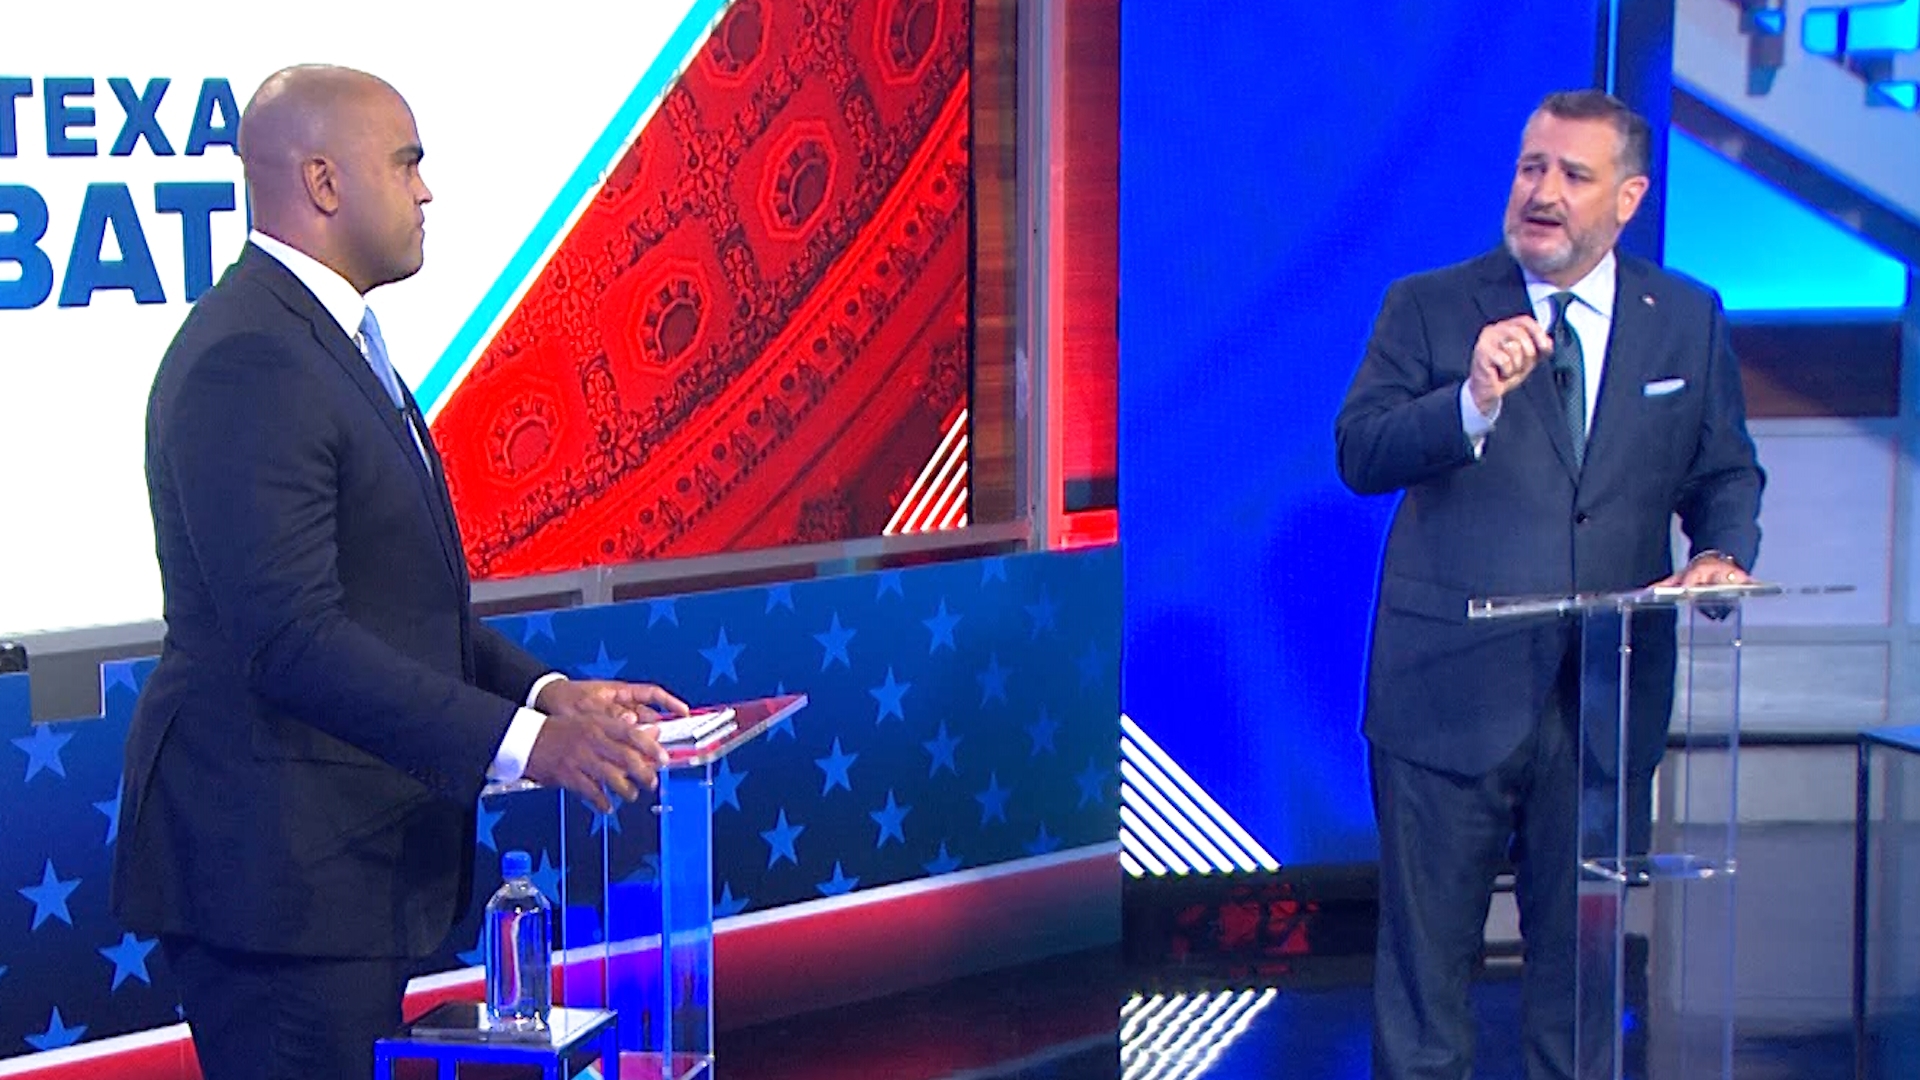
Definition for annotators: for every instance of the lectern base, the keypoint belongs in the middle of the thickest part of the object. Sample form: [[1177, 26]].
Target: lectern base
[[1646, 869], [651, 1066]]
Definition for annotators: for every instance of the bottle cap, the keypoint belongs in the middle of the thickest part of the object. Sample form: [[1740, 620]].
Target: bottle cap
[[515, 864]]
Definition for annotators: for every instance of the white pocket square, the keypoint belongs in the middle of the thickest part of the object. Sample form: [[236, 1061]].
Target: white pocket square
[[1663, 387]]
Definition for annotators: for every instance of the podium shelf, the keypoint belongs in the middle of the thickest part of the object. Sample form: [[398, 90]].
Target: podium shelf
[[1647, 869]]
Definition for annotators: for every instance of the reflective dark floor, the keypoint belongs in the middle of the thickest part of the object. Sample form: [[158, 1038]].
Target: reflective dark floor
[[1093, 1017], [1264, 984], [1258, 983]]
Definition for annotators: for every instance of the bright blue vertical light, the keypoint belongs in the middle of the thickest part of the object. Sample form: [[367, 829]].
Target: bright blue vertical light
[[1279, 165]]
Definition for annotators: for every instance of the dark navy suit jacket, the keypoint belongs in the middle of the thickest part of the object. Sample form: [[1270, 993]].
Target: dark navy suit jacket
[[303, 764], [1461, 696]]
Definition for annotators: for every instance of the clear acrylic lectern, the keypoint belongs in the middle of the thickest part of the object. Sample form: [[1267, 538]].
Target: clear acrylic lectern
[[633, 901], [1654, 977]]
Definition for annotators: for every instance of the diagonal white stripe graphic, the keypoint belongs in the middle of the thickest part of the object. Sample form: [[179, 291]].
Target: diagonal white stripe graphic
[[1174, 836], [1169, 824], [1136, 785], [938, 497], [1181, 1038], [1132, 828], [1135, 858], [1151, 777]]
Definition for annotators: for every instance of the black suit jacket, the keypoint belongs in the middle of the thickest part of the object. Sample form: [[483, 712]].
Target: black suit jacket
[[303, 763], [1460, 695]]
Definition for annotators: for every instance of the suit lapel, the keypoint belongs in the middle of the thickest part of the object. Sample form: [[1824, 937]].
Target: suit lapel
[[338, 346], [442, 497], [1630, 348], [1503, 295]]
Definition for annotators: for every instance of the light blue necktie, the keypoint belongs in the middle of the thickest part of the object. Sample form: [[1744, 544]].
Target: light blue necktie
[[374, 348]]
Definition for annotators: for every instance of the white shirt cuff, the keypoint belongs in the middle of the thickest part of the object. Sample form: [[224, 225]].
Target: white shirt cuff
[[539, 684], [1475, 423], [511, 760]]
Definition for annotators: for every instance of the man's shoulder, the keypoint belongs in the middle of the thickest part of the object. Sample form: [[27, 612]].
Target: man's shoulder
[[254, 284], [1673, 286], [243, 315], [1466, 276], [245, 301]]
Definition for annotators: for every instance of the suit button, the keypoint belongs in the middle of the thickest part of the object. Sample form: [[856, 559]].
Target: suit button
[[1580, 518]]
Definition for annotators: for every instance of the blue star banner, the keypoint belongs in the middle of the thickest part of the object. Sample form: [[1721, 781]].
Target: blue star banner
[[960, 715]]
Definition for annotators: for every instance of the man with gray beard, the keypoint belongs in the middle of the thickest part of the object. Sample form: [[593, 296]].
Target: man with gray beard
[[1543, 411]]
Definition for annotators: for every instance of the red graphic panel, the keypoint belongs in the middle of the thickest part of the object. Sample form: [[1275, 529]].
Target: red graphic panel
[[758, 330]]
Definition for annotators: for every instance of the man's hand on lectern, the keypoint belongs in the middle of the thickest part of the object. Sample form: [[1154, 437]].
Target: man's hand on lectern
[[599, 738], [1707, 568], [595, 752], [646, 702]]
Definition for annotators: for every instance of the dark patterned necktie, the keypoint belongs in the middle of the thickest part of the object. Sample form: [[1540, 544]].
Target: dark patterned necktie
[[1569, 373]]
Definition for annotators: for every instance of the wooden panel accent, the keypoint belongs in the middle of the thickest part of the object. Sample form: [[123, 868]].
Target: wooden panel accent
[[994, 460], [1089, 413], [1803, 368]]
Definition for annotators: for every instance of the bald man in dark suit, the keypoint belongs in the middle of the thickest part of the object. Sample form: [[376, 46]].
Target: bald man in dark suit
[[304, 762]]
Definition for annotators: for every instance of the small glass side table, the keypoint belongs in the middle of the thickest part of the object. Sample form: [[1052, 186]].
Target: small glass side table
[[455, 1033], [1886, 876]]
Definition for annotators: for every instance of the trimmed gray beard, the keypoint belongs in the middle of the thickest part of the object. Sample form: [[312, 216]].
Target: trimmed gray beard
[[1558, 263]]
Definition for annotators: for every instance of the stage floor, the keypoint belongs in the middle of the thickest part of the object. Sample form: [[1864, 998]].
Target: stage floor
[[1093, 1017], [1146, 1016]]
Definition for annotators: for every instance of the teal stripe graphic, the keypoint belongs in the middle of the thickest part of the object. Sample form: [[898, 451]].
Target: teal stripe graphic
[[665, 68]]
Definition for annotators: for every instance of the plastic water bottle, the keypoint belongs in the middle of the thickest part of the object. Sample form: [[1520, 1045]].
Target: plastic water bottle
[[519, 950]]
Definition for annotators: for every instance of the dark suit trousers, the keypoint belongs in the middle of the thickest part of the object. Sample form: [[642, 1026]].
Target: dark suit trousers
[[1443, 838], [260, 1017]]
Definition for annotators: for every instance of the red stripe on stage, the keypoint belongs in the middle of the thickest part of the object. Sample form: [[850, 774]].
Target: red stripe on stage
[[792, 960], [170, 1060], [831, 955]]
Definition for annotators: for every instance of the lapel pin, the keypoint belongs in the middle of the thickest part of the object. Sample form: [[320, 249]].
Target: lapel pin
[[1647, 299]]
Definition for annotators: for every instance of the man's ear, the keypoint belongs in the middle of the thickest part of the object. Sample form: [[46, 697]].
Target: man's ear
[[1632, 191], [322, 183]]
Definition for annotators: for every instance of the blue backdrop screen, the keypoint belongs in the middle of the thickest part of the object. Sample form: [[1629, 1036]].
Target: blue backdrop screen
[[1279, 165]]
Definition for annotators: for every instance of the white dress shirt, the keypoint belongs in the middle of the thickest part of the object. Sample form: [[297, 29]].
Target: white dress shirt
[[342, 301], [1591, 315]]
